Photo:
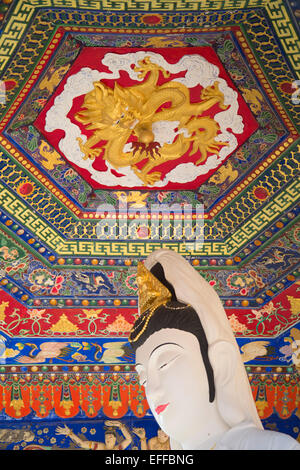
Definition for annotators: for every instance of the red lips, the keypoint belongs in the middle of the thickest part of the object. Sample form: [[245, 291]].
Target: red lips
[[161, 408]]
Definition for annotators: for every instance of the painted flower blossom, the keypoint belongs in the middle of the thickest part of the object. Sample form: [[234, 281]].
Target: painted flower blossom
[[264, 311], [35, 313], [236, 325]]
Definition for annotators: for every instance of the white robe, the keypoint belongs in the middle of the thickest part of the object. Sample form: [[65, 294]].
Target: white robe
[[249, 437]]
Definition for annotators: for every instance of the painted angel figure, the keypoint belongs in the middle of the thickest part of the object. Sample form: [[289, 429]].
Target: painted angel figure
[[110, 437]]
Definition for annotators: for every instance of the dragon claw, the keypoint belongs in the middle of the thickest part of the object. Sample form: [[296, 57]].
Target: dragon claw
[[87, 151], [147, 178], [152, 177]]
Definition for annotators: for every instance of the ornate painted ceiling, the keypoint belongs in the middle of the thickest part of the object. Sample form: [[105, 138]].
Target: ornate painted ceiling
[[75, 220]]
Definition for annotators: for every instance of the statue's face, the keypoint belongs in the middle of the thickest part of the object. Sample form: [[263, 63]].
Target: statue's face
[[171, 369]]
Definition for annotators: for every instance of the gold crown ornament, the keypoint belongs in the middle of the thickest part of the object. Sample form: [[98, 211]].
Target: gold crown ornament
[[152, 294]]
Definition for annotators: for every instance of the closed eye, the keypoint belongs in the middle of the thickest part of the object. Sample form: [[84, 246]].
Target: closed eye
[[168, 362]]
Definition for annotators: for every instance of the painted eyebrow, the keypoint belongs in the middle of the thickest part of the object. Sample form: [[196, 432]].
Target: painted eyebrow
[[164, 344], [159, 346]]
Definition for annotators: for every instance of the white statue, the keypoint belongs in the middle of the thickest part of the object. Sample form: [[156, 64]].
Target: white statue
[[189, 362]]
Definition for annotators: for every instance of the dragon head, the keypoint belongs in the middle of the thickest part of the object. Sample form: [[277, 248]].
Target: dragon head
[[104, 108]]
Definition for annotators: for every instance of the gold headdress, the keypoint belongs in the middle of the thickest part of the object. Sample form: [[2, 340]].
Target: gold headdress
[[152, 294]]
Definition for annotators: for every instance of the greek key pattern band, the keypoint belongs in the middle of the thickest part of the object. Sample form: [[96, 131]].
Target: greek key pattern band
[[261, 219], [22, 214]]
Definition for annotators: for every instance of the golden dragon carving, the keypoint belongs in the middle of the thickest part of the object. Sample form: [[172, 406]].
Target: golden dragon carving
[[117, 114]]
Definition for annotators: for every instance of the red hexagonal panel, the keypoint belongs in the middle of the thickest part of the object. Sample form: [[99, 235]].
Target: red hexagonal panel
[[160, 119]]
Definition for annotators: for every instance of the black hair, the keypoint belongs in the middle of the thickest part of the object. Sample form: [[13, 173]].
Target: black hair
[[179, 316]]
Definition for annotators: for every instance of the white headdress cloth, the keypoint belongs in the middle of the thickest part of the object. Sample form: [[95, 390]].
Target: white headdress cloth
[[191, 288]]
